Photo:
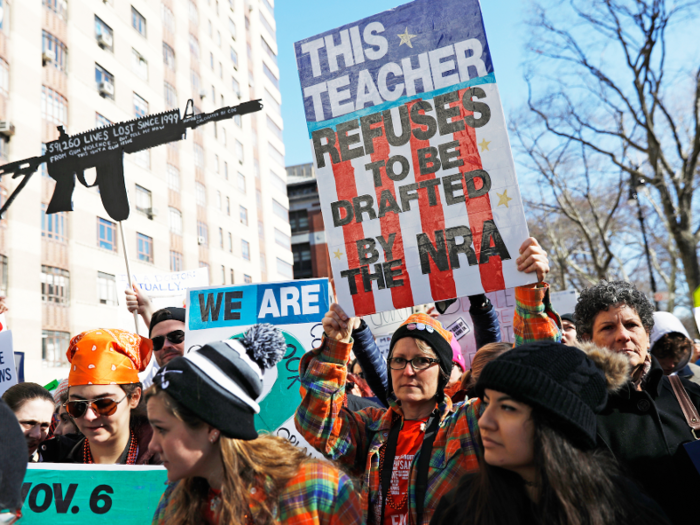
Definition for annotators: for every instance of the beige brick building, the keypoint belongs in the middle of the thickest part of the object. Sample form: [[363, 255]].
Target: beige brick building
[[217, 199]]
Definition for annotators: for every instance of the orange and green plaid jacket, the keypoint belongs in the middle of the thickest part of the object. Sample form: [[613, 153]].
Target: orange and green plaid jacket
[[355, 438], [319, 494], [535, 319]]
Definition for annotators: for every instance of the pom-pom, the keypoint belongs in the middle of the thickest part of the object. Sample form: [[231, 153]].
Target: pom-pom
[[265, 345]]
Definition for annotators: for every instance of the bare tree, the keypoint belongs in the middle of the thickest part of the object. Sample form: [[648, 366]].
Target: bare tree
[[600, 78]]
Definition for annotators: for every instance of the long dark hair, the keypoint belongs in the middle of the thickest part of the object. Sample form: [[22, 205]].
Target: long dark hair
[[575, 487]]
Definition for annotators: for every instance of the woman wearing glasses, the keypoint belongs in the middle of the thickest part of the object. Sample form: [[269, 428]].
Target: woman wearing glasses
[[103, 400]]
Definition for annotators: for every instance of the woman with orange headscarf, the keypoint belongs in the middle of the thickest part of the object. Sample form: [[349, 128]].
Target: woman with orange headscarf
[[103, 400]]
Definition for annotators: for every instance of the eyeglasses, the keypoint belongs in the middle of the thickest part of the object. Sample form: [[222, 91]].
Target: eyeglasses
[[175, 337], [103, 406], [418, 363]]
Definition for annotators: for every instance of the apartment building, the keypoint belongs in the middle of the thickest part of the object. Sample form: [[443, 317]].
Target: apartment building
[[308, 235], [216, 199]]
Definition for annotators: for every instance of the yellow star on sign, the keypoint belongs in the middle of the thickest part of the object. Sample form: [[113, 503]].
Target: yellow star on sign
[[503, 198], [406, 39], [337, 254], [484, 145]]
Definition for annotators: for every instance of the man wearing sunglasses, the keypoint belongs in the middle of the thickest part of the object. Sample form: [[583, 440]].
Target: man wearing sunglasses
[[167, 331]]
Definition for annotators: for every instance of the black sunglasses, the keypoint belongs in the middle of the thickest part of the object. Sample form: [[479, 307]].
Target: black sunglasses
[[175, 337]]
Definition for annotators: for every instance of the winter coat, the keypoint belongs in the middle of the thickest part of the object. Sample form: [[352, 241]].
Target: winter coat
[[318, 494], [645, 431], [354, 439]]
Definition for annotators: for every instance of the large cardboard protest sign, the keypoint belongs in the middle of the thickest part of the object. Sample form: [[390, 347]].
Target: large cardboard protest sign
[[417, 183], [296, 308], [96, 494], [8, 369]]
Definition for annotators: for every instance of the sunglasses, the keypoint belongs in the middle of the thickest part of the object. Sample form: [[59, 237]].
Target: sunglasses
[[103, 406], [175, 337]]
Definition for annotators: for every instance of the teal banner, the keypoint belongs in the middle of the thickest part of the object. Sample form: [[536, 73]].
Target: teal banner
[[59, 494]]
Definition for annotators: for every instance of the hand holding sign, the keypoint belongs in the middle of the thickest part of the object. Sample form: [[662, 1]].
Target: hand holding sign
[[533, 258], [337, 325]]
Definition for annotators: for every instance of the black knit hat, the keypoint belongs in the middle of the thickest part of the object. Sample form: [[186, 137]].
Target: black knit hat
[[221, 381], [13, 460], [568, 317], [165, 314], [559, 380]]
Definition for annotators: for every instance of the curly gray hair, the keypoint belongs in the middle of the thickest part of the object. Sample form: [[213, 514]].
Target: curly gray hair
[[604, 295]]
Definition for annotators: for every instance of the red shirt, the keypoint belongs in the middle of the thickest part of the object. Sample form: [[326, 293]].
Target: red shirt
[[409, 442]]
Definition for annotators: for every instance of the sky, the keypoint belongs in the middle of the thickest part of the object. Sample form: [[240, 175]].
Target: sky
[[299, 19]]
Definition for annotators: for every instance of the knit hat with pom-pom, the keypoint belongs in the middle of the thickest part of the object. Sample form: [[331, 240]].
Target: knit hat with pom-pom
[[221, 381]]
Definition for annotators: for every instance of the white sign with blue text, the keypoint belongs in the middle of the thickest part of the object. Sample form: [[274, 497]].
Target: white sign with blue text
[[296, 308]]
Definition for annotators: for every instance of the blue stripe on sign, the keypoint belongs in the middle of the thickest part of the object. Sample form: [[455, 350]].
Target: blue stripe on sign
[[332, 123], [305, 301]]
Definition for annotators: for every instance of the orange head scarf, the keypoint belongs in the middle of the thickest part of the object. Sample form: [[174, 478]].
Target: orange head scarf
[[107, 357]]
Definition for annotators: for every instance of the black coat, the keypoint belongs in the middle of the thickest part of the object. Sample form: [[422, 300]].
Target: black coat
[[645, 430]]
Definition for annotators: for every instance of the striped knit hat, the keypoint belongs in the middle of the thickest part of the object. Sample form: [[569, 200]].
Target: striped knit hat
[[221, 381]]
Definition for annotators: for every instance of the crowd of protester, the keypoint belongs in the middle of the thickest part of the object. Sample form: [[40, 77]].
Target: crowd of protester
[[588, 417]]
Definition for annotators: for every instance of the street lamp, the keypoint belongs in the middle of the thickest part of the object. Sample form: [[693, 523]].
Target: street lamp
[[637, 186]]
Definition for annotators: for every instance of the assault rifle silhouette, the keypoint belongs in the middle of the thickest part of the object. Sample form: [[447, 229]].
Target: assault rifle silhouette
[[104, 148]]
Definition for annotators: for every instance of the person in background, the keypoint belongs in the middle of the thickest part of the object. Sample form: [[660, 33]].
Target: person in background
[[33, 407], [568, 329], [672, 347], [13, 466], [538, 430], [103, 400], [484, 356], [167, 331], [202, 407], [454, 384], [64, 423]]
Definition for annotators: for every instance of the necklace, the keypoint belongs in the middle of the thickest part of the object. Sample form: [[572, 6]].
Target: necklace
[[130, 459]]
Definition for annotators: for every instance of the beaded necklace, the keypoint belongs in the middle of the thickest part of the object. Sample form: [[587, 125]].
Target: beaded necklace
[[130, 459]]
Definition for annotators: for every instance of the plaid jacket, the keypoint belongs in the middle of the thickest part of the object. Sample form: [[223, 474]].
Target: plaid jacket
[[318, 494], [355, 438], [535, 319]]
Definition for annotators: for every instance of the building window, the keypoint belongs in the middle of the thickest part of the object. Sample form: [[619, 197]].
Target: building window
[[303, 268], [230, 242], [271, 102], [223, 274], [106, 234], [139, 65], [283, 239], [194, 47], [277, 182], [280, 210], [138, 21], [232, 28], [168, 18], [176, 264], [55, 285], [299, 221], [225, 170], [221, 238], [285, 269], [173, 177], [235, 86], [245, 250], [105, 82], [261, 231], [239, 151], [4, 77], [106, 289], [104, 35], [276, 130], [144, 200], [232, 279], [241, 183], [54, 52], [54, 225], [144, 247], [216, 159], [101, 121], [275, 154], [140, 106], [53, 348], [234, 60], [193, 13], [198, 156], [170, 96], [4, 152], [54, 107], [247, 279], [202, 234], [60, 7], [200, 194], [3, 275], [267, 25], [228, 206], [243, 215], [175, 221]]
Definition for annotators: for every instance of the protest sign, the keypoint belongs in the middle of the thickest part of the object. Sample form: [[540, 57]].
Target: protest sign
[[164, 289], [8, 371], [416, 178], [19, 366], [296, 308], [63, 494]]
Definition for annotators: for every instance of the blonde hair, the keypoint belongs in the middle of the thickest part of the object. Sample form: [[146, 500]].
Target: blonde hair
[[245, 463], [425, 348], [483, 356]]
